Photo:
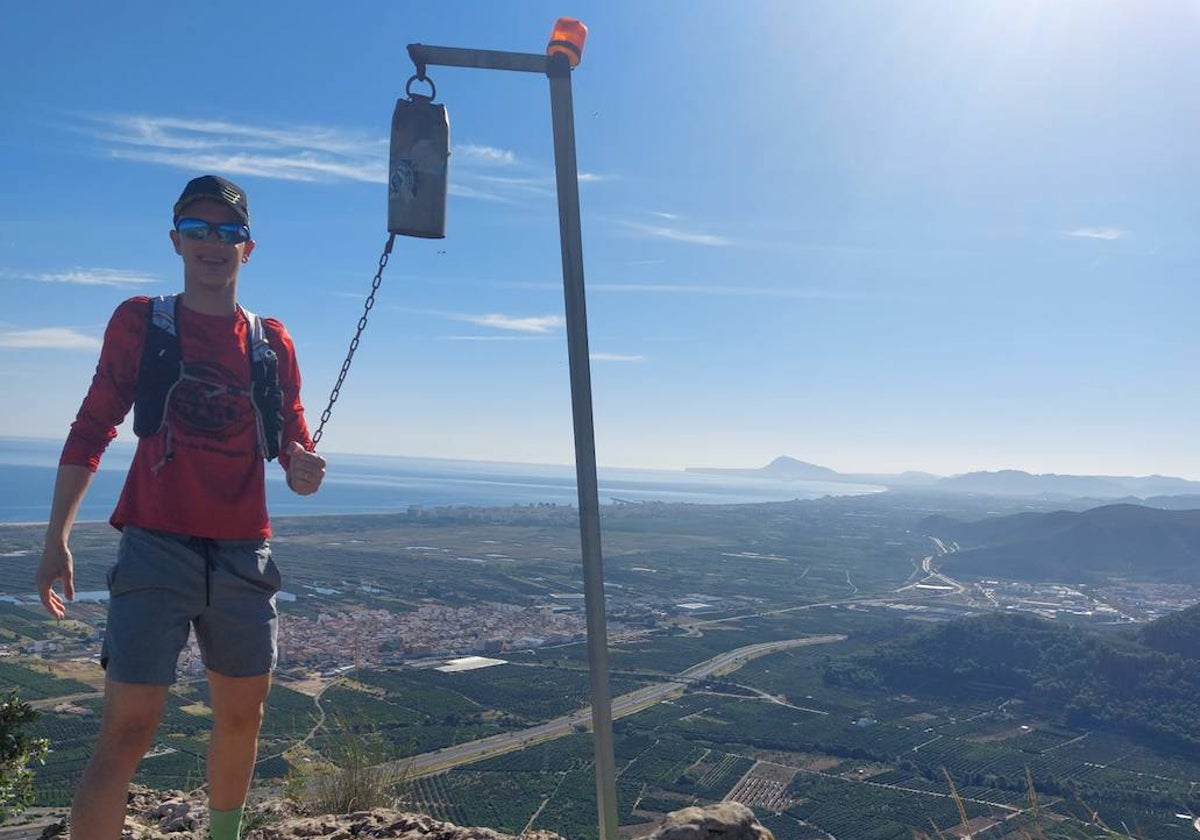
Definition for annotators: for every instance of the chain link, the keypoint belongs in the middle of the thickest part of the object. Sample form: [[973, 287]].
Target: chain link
[[362, 325]]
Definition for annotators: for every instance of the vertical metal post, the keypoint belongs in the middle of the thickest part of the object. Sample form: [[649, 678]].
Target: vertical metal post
[[558, 69]]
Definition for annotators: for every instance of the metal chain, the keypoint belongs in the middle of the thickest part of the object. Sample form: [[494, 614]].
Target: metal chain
[[362, 325]]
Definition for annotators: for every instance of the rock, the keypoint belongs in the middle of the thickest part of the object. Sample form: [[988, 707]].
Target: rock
[[381, 823], [54, 829], [173, 815], [723, 821]]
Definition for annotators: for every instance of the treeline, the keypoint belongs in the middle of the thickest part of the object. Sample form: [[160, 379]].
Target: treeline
[[1122, 684]]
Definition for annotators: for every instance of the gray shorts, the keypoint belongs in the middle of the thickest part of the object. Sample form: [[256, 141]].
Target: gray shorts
[[163, 584]]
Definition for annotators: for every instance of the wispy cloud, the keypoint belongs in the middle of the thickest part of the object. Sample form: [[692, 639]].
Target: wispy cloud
[[535, 185], [91, 277], [733, 291], [539, 324], [48, 338], [678, 234], [710, 290], [615, 357], [313, 153], [289, 153], [294, 153], [493, 338], [483, 154], [1099, 233]]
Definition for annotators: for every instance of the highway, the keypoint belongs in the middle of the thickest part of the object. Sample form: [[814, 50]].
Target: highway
[[472, 751]]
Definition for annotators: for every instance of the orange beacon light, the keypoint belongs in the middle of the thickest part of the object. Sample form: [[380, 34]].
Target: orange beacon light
[[567, 38]]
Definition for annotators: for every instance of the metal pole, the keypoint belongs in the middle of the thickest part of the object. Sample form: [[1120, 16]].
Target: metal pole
[[424, 54], [558, 70]]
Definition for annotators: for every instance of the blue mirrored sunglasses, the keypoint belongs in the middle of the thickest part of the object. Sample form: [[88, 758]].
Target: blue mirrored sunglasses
[[229, 233]]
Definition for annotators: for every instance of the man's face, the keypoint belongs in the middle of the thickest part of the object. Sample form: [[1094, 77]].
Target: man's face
[[210, 262]]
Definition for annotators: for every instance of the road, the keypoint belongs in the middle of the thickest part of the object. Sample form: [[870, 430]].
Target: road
[[935, 579], [448, 757]]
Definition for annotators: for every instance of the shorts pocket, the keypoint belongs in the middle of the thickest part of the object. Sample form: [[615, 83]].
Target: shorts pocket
[[253, 564]]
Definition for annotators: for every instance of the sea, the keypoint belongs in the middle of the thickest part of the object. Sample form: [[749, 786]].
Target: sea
[[390, 484]]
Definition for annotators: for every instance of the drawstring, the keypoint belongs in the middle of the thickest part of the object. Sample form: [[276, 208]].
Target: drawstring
[[203, 545]]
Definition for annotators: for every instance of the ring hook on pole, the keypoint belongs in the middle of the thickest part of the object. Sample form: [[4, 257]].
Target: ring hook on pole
[[421, 77]]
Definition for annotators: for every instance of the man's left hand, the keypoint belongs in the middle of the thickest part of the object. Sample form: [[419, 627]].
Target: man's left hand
[[306, 470]]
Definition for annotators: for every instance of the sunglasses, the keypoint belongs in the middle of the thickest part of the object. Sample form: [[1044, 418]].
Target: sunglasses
[[229, 233]]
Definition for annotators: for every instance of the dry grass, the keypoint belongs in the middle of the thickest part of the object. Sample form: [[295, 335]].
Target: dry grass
[[352, 778]]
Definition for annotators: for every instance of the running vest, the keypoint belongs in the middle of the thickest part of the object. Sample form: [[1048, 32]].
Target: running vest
[[161, 369]]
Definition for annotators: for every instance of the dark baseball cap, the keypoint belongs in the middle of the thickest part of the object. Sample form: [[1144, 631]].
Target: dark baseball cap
[[218, 189]]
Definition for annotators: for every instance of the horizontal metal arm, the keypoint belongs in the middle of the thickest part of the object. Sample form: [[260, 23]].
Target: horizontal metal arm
[[424, 56]]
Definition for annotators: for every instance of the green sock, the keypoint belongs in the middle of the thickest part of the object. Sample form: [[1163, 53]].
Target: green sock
[[225, 825]]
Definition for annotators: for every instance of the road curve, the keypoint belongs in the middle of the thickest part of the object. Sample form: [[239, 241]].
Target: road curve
[[472, 751]]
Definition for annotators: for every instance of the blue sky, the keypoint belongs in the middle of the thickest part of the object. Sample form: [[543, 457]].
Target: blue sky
[[877, 236]]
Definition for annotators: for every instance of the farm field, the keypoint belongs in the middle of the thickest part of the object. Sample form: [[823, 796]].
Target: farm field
[[685, 584]]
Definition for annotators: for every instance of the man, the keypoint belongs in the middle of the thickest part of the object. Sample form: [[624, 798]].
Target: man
[[193, 516]]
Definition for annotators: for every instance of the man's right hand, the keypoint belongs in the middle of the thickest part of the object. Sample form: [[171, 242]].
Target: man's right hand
[[57, 564]]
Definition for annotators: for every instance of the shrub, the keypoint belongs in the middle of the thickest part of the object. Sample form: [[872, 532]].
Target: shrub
[[358, 778], [18, 750]]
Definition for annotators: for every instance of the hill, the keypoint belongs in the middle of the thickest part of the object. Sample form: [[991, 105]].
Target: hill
[[1167, 491], [790, 468], [1177, 633], [1020, 483], [1080, 678], [1128, 541]]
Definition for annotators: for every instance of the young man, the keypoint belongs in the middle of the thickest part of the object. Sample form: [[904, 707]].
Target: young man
[[193, 516]]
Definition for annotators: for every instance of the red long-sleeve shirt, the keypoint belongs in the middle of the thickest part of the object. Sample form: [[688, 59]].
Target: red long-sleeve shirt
[[214, 483]]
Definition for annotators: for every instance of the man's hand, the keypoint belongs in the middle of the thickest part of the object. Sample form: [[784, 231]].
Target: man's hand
[[305, 470], [57, 564]]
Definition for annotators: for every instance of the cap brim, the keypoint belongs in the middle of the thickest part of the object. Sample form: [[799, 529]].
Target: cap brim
[[180, 206]]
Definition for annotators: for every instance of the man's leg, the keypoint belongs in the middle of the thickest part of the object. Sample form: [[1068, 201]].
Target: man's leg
[[127, 726], [238, 635], [237, 708]]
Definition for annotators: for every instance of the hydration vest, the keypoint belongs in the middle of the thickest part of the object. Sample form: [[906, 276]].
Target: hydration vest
[[161, 370]]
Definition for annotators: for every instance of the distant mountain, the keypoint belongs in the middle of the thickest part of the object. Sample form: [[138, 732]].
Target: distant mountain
[[785, 468], [790, 468], [782, 468], [1127, 541], [1187, 501], [1011, 483], [1019, 483]]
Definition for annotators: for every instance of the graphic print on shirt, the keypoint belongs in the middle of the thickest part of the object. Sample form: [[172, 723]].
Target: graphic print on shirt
[[211, 402]]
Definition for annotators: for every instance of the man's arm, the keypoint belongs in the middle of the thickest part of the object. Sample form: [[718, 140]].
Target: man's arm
[[108, 400], [70, 486], [305, 469]]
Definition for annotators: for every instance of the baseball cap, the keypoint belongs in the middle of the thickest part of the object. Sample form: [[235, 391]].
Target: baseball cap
[[218, 189]]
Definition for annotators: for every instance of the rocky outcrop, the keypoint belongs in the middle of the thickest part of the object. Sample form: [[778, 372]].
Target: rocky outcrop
[[723, 821], [382, 823], [174, 815]]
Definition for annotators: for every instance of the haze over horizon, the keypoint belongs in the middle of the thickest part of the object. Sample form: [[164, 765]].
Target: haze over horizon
[[125, 442], [933, 236]]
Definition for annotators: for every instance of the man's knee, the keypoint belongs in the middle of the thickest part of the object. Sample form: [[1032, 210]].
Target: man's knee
[[241, 718], [131, 716], [238, 703], [126, 737]]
